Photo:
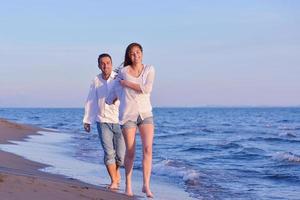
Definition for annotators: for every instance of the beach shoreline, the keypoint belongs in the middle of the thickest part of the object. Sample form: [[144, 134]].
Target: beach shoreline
[[21, 178]]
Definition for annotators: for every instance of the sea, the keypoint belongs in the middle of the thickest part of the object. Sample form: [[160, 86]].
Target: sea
[[198, 153]]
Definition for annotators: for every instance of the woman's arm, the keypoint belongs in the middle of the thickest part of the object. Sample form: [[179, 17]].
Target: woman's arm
[[143, 87], [131, 85], [146, 87]]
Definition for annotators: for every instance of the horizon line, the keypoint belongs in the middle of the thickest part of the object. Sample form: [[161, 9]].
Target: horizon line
[[203, 106]]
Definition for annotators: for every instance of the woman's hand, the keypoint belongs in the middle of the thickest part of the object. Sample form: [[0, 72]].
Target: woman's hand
[[124, 83], [131, 85]]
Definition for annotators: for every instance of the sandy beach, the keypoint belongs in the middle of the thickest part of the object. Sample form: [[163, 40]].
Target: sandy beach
[[22, 179]]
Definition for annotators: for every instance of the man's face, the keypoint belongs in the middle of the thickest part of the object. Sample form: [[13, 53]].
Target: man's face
[[105, 65]]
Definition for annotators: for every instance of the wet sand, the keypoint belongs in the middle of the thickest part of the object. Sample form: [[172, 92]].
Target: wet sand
[[21, 178]]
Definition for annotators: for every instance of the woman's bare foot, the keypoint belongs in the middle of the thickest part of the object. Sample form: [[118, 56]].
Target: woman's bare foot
[[118, 178], [128, 191], [147, 191]]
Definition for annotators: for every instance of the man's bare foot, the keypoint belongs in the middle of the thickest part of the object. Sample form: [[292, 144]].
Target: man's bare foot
[[113, 186], [147, 191]]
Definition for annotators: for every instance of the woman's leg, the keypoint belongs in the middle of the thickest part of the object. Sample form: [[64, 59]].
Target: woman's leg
[[147, 133], [129, 137], [120, 148]]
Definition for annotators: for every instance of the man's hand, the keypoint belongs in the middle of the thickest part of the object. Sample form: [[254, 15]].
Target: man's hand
[[114, 101], [87, 127]]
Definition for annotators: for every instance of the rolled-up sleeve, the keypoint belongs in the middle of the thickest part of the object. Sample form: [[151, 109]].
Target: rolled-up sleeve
[[147, 81], [91, 106]]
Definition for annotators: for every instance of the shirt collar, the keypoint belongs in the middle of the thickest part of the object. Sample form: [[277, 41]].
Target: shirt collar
[[111, 77]]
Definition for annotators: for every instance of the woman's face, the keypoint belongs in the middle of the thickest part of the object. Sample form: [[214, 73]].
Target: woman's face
[[135, 55]]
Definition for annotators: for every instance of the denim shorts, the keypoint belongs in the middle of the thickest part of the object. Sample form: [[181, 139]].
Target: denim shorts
[[138, 122], [112, 142]]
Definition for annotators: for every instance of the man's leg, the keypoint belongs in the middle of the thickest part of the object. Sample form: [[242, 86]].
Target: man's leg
[[106, 138], [112, 171]]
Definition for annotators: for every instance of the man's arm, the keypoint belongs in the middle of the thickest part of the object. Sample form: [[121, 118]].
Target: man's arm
[[90, 108]]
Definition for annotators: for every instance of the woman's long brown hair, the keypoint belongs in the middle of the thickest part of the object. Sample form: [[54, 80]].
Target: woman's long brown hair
[[127, 60]]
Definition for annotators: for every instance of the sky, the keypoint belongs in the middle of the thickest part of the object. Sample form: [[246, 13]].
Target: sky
[[205, 53]]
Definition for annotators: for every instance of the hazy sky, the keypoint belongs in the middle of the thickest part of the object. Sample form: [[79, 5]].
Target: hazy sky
[[228, 53]]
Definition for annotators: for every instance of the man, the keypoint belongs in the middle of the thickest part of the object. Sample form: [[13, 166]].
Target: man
[[107, 120]]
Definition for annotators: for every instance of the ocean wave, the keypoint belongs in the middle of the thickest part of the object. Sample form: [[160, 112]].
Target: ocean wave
[[195, 149], [273, 139], [287, 134], [287, 156], [285, 128], [207, 130], [253, 150], [229, 145], [50, 129], [178, 134], [253, 125], [34, 117], [285, 121], [283, 177], [248, 153], [228, 131], [226, 124], [177, 169], [60, 124]]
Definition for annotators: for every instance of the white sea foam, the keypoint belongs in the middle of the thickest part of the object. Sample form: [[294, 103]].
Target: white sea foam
[[168, 168], [287, 156], [50, 129], [51, 148], [54, 149]]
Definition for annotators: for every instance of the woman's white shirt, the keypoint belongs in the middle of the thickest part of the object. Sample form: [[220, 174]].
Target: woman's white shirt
[[133, 103], [95, 107]]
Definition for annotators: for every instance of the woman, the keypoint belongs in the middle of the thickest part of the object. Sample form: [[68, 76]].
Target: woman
[[136, 80]]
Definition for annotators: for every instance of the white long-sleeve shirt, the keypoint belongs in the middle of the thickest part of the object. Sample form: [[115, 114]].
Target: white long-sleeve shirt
[[133, 103], [95, 107]]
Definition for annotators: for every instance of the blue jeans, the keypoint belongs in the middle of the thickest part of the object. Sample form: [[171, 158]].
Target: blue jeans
[[112, 143]]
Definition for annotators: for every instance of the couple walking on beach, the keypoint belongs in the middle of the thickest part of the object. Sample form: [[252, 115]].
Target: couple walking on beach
[[119, 102]]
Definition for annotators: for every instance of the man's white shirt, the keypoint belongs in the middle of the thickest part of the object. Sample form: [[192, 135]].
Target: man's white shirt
[[95, 107]]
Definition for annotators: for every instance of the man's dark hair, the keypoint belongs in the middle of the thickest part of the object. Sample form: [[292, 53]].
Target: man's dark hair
[[102, 56]]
